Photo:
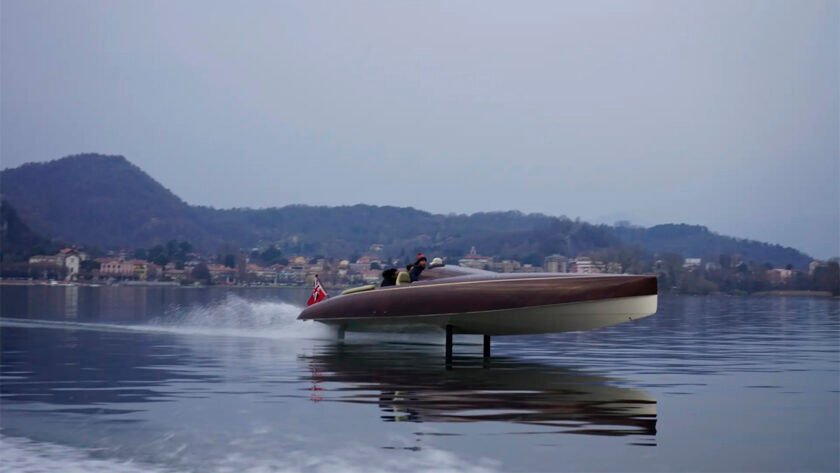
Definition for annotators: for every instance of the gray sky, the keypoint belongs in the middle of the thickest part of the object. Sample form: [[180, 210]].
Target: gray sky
[[724, 114]]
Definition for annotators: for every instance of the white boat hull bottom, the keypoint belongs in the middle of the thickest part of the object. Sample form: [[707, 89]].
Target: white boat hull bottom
[[569, 317]]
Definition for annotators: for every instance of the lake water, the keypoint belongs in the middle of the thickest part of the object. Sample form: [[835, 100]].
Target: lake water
[[125, 379]]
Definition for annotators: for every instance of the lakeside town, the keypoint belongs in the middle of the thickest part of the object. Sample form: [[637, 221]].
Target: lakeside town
[[176, 263]]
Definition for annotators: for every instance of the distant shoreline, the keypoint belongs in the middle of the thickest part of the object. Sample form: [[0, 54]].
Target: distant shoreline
[[792, 294], [34, 283], [19, 282]]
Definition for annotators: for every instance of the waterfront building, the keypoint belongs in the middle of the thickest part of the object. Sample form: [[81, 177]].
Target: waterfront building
[[44, 260], [691, 263], [583, 264], [778, 276], [555, 264], [127, 269], [474, 260], [614, 267], [505, 266], [221, 274]]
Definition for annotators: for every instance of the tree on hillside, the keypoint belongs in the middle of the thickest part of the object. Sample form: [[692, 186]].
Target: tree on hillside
[[669, 268], [272, 255], [695, 283], [184, 248], [201, 273], [157, 254], [827, 278], [17, 241], [174, 252]]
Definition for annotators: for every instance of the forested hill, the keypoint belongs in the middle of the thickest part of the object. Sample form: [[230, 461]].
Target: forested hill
[[106, 201], [699, 241], [17, 241], [99, 200]]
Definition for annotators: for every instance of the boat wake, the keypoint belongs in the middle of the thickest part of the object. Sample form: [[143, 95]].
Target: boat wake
[[232, 317], [20, 454], [25, 455]]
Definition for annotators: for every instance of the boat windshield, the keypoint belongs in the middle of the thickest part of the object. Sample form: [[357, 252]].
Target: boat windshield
[[449, 271]]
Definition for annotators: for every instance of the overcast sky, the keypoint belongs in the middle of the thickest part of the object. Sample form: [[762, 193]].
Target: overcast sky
[[724, 114]]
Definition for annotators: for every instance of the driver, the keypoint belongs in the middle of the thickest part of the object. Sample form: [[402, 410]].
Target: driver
[[418, 268]]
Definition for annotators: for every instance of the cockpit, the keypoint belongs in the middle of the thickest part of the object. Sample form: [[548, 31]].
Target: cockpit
[[436, 270]]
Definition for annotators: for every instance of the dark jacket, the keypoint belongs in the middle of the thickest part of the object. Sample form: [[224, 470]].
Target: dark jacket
[[389, 277], [415, 273]]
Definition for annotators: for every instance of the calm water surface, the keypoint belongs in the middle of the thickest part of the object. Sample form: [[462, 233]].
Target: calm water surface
[[211, 380]]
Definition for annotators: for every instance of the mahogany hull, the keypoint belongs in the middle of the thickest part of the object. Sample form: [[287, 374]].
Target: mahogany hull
[[496, 304]]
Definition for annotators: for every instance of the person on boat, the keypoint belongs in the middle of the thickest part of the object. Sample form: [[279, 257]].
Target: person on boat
[[418, 267], [389, 277]]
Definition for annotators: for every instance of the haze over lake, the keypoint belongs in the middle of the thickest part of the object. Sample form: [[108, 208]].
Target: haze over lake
[[716, 113]]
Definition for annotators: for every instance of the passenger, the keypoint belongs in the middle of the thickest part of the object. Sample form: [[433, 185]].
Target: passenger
[[389, 277], [418, 267]]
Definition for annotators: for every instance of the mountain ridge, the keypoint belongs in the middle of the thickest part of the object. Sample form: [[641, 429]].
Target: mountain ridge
[[107, 201], [18, 240]]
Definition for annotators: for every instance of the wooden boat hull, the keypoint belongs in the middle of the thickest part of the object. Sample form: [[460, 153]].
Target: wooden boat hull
[[495, 304]]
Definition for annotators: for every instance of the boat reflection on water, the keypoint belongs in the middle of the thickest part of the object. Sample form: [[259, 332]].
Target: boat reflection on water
[[409, 384]]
